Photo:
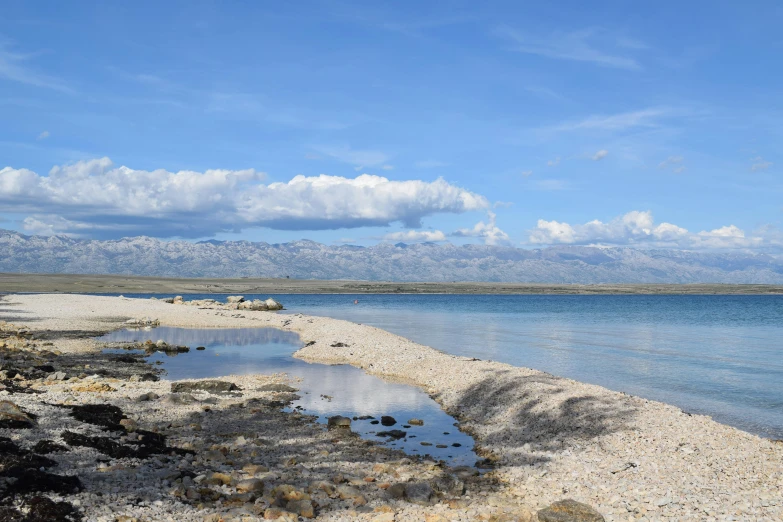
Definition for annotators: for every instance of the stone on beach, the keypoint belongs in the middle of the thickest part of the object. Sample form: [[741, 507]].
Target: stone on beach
[[210, 386], [569, 511], [12, 416]]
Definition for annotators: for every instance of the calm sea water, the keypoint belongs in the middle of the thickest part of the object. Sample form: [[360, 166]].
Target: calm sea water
[[717, 355]]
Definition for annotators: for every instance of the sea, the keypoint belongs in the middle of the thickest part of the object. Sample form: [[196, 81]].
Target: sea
[[717, 355]]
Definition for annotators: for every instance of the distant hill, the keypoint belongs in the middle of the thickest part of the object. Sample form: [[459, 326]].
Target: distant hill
[[384, 262]]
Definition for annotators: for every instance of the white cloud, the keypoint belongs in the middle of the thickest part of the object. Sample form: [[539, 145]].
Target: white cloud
[[573, 46], [359, 158], [488, 231], [527, 173], [639, 228], [601, 154], [430, 164], [13, 68], [388, 167], [552, 163], [45, 134], [416, 236], [96, 198], [614, 122], [760, 164]]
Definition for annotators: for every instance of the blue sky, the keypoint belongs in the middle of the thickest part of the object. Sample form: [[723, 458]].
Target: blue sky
[[654, 124]]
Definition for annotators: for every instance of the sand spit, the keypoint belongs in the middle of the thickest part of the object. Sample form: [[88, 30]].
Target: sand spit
[[549, 438]]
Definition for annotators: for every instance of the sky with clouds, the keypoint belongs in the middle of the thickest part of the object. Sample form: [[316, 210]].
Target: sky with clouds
[[505, 124]]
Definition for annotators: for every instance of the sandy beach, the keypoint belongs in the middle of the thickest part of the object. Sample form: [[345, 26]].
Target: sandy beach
[[547, 438]]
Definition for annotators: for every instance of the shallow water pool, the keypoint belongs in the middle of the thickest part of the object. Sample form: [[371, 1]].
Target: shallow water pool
[[326, 390]]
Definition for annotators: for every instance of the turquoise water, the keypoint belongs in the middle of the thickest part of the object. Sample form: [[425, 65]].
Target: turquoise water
[[717, 355]]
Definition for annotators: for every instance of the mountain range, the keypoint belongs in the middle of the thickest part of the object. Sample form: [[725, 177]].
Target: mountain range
[[383, 262]]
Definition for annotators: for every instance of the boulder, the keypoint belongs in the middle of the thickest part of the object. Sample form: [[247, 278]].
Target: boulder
[[448, 485], [235, 299], [12, 416], [388, 421], [251, 485], [419, 493], [338, 422], [416, 422], [273, 305], [209, 385], [569, 511]]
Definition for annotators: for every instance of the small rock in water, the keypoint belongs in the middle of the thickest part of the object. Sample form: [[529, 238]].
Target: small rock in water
[[200, 348], [339, 422], [416, 422], [394, 434], [388, 421], [234, 299]]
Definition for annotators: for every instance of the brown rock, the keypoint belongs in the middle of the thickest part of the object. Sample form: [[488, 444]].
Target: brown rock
[[218, 479], [130, 425], [274, 513], [252, 485], [304, 508], [12, 416], [569, 511]]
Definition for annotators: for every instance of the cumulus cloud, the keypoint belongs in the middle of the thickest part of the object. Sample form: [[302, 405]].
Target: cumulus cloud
[[760, 164], [96, 198], [416, 236], [43, 135], [601, 154], [639, 228], [487, 230]]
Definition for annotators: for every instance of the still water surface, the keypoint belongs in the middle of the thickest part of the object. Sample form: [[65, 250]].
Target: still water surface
[[325, 390], [717, 355]]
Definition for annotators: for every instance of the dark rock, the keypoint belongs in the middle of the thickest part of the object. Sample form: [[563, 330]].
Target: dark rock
[[449, 485], [339, 422], [569, 511], [201, 348], [46, 368], [105, 415], [388, 421], [419, 493], [42, 509], [396, 491], [374, 422], [276, 387], [394, 434], [211, 386], [339, 345], [366, 417], [456, 445], [46, 446]]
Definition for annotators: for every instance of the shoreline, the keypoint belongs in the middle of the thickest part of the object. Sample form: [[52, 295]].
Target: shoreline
[[119, 284], [550, 437]]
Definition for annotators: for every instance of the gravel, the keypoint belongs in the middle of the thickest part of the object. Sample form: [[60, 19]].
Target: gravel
[[544, 438]]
